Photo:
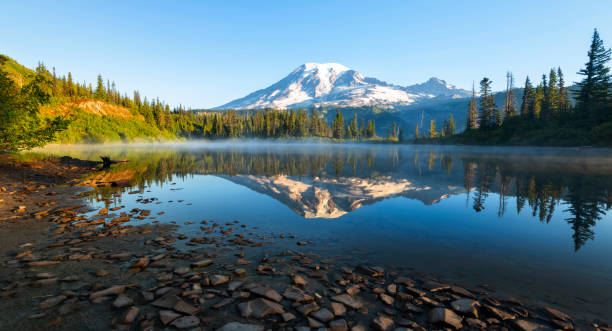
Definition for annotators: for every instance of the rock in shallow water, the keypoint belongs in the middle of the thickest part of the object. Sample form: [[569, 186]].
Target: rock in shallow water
[[445, 316], [167, 316], [236, 326], [186, 322], [466, 306], [259, 308], [348, 301]]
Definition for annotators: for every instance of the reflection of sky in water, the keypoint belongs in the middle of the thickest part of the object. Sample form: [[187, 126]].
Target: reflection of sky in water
[[517, 253]]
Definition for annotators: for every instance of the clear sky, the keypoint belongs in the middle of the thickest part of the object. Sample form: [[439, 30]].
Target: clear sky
[[206, 53]]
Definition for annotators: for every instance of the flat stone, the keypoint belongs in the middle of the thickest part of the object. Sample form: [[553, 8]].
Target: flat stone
[[297, 295], [387, 299], [167, 301], [371, 271], [202, 263], [338, 309], [167, 316], [236, 326], [338, 325], [45, 282], [525, 325], [141, 263], [435, 286], [186, 322], [182, 270], [306, 309], [299, 280], [556, 314], [51, 302], [268, 293], [288, 317], [404, 281], [413, 308], [122, 300], [353, 289], [445, 316], [259, 308], [218, 279], [475, 323], [234, 285], [415, 292], [223, 303], [348, 301], [382, 323], [323, 315], [466, 306], [313, 323], [185, 308], [498, 313], [462, 292], [42, 263], [113, 290], [148, 296], [131, 314]]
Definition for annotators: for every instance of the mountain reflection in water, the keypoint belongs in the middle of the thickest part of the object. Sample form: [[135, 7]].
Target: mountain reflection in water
[[329, 181]]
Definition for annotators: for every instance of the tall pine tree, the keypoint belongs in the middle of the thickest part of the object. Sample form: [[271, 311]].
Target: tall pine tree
[[595, 87]]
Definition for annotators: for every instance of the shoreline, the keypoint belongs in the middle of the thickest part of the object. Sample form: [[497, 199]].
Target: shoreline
[[64, 269]]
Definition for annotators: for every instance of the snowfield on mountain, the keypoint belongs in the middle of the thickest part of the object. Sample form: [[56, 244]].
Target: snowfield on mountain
[[333, 84]]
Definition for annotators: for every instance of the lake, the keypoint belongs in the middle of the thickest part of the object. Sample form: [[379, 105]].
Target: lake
[[529, 223]]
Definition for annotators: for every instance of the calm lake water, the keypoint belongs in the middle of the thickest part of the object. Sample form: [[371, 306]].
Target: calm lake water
[[533, 223]]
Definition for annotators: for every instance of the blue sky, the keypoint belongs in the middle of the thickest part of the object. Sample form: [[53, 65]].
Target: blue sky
[[203, 54]]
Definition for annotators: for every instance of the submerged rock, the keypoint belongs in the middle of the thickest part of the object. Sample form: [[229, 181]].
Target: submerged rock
[[445, 316], [259, 308], [236, 326]]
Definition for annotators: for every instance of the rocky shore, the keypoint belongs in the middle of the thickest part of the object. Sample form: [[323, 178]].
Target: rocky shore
[[66, 268]]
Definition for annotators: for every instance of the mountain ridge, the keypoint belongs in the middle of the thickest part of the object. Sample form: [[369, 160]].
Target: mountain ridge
[[333, 84]]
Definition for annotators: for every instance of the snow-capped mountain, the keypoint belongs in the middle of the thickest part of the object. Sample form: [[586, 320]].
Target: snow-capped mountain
[[332, 84]]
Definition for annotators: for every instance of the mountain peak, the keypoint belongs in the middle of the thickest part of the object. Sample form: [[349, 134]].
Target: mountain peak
[[329, 66], [333, 84]]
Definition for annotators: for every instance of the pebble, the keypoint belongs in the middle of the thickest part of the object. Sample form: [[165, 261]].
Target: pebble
[[186, 322], [131, 314], [52, 302], [348, 301], [113, 290], [382, 322], [259, 308], [236, 326], [445, 316], [167, 316], [218, 280], [268, 293], [122, 300], [466, 306]]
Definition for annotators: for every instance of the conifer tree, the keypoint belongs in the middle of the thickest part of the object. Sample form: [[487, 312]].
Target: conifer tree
[[451, 125], [354, 127], [417, 133], [538, 101], [433, 131], [100, 94], [528, 99], [498, 118], [509, 110], [595, 87], [552, 98], [564, 102], [338, 125], [472, 117], [487, 105]]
